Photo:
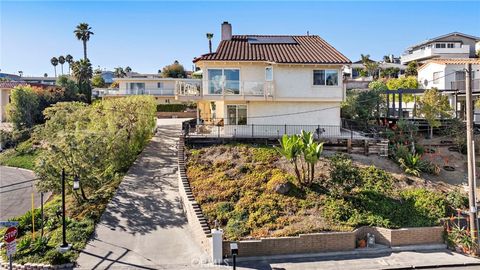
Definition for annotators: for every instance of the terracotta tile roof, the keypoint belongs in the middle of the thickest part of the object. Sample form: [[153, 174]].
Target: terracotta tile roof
[[456, 61], [310, 49], [11, 84]]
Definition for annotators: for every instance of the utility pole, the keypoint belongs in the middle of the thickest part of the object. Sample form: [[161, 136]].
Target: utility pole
[[470, 155]]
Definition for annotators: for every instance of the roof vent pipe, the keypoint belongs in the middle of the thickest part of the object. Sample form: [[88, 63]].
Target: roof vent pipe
[[226, 31]]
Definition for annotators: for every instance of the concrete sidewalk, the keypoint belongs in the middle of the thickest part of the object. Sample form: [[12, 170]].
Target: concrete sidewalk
[[144, 226], [392, 260]]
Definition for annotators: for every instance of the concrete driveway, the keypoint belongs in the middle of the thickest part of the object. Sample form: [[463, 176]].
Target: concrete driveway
[[16, 187], [144, 226]]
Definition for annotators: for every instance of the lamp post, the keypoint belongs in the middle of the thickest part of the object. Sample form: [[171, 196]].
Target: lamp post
[[76, 185]]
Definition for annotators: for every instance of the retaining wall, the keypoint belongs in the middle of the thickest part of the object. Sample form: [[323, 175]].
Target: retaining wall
[[196, 220], [336, 241]]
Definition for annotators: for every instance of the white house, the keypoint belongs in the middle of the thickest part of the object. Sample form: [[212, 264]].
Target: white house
[[147, 84], [269, 80], [452, 45], [448, 75]]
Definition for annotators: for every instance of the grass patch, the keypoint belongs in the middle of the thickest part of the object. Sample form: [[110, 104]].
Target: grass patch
[[238, 186], [21, 157]]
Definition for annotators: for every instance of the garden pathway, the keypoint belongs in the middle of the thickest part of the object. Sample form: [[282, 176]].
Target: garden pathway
[[144, 226]]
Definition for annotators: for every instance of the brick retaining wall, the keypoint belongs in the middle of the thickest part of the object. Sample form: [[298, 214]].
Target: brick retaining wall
[[336, 241], [196, 220]]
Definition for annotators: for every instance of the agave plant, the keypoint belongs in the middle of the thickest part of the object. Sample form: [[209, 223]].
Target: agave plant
[[412, 164]]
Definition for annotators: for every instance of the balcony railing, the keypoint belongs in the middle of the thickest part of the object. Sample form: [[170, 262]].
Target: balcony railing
[[187, 88], [234, 87], [154, 92], [461, 85]]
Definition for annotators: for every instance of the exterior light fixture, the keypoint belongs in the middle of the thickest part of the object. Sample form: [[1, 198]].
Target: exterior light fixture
[[76, 183]]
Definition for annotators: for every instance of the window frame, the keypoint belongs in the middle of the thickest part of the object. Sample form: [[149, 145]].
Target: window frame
[[436, 80], [236, 114], [325, 78], [223, 75], [266, 78]]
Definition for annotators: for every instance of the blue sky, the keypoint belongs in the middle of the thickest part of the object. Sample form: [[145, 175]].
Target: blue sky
[[148, 35]]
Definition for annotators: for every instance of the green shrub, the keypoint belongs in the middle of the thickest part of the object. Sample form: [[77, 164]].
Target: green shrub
[[374, 179], [235, 228], [171, 107], [457, 200], [428, 206], [338, 210], [344, 175]]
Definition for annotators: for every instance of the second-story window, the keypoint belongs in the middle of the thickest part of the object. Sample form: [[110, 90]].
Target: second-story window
[[440, 45], [225, 81], [325, 77], [160, 85], [450, 45]]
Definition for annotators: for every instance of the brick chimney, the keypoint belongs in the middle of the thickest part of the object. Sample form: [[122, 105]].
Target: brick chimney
[[226, 31]]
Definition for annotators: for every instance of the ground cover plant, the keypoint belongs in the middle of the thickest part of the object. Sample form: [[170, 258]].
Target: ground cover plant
[[252, 191], [96, 143]]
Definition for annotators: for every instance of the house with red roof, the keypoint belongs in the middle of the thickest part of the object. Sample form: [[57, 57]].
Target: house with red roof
[[252, 82]]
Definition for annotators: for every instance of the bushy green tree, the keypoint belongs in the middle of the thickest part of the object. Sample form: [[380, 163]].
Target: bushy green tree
[[93, 142], [411, 69], [98, 81], [363, 106], [432, 106], [175, 70], [23, 110], [409, 82]]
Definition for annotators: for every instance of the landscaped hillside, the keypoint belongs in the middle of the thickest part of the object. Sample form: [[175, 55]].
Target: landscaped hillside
[[252, 192]]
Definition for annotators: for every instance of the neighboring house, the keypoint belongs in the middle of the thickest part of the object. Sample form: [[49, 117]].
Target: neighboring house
[[448, 75], [8, 76], [163, 89], [39, 80], [5, 89], [269, 80], [453, 45], [354, 80]]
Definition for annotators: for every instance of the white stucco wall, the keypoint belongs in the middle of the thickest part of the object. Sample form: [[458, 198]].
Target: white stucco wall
[[4, 100], [291, 82], [447, 75]]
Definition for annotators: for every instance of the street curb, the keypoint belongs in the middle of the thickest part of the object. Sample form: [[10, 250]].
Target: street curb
[[432, 266], [359, 252], [17, 168]]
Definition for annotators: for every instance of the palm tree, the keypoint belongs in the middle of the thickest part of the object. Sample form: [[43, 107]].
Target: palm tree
[[20, 73], [45, 75], [61, 60], [83, 33], [82, 72], [209, 37], [54, 62], [119, 72], [69, 60], [128, 69]]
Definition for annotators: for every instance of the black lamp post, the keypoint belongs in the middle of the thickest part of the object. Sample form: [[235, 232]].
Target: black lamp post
[[76, 185]]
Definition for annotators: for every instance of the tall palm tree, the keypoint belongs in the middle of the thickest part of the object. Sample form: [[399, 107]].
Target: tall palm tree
[[128, 69], [69, 60], [209, 37], [61, 61], [54, 62], [20, 73], [83, 33]]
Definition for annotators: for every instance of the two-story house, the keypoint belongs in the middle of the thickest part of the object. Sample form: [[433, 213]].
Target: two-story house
[[448, 75], [270, 80], [453, 45]]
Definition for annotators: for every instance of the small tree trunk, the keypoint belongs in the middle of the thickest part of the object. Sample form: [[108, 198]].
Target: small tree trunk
[[431, 132], [297, 172], [83, 193]]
